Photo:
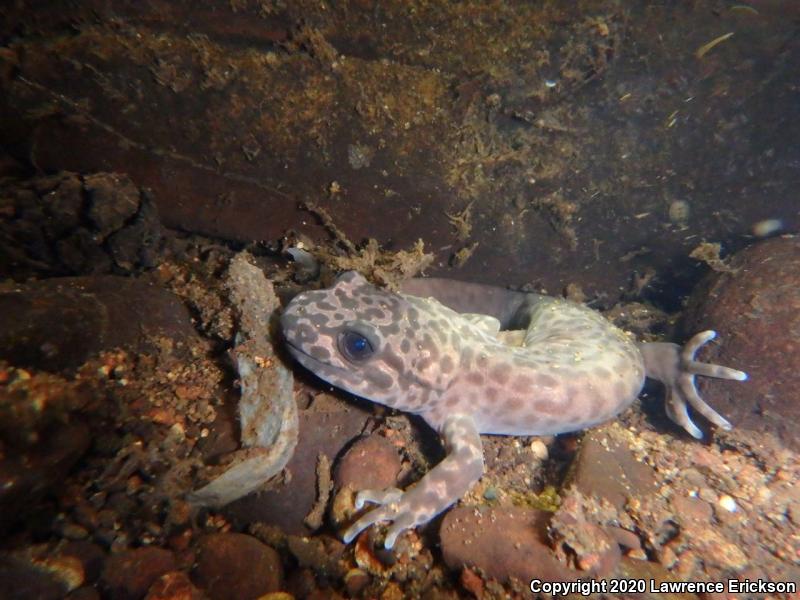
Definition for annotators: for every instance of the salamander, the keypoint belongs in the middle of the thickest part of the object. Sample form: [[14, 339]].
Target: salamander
[[472, 359]]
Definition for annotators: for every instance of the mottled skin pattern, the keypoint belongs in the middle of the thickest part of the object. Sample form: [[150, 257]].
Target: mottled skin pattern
[[563, 367]]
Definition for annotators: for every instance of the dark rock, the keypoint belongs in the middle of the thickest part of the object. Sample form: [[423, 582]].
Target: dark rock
[[355, 580], [26, 477], [605, 467], [89, 554], [57, 324], [301, 582], [113, 199], [65, 203], [138, 244], [504, 542], [371, 463], [235, 565], [68, 225], [84, 593], [20, 580], [79, 253], [128, 575], [287, 505], [756, 311], [224, 435]]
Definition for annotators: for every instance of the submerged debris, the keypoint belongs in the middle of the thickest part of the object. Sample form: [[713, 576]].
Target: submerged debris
[[380, 266], [460, 258], [706, 48], [709, 254], [462, 222], [267, 410], [314, 519], [308, 266]]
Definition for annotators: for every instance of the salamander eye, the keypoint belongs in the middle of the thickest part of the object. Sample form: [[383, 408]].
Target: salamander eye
[[354, 346]]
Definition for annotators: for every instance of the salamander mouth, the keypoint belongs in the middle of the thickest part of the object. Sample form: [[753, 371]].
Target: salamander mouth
[[334, 375]]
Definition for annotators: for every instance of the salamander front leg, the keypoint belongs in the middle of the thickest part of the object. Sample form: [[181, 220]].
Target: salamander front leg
[[676, 368], [440, 488]]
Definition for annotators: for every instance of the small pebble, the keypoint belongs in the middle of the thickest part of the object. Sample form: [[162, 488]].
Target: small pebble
[[72, 531], [728, 503], [679, 212], [767, 227], [539, 449], [707, 494], [637, 554], [356, 580]]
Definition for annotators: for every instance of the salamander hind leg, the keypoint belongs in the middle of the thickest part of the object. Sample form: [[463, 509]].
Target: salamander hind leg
[[439, 489], [676, 368]]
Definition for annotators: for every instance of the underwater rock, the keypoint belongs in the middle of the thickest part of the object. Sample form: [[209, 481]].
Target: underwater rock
[[21, 580], [67, 224], [174, 585], [370, 463], [90, 555], [28, 475], [129, 574], [235, 565], [57, 324], [579, 536], [606, 467], [113, 199], [755, 308], [504, 542]]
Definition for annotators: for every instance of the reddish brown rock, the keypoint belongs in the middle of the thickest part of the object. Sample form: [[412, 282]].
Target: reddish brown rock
[[128, 575], [687, 508], [472, 582], [174, 585], [57, 324], [579, 535], [595, 551], [235, 565], [756, 311], [606, 467], [370, 463], [504, 542]]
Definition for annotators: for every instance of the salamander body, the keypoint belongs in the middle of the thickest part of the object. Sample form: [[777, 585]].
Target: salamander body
[[472, 359]]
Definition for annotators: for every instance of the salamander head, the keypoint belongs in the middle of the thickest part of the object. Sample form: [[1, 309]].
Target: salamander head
[[389, 348]]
